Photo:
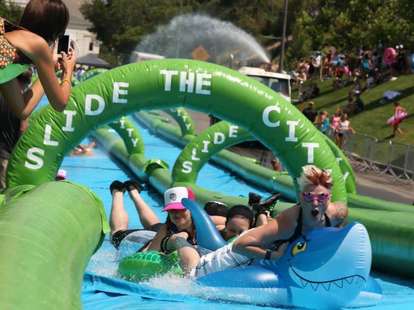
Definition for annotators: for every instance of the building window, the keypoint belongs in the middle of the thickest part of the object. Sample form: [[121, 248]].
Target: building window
[[91, 46]]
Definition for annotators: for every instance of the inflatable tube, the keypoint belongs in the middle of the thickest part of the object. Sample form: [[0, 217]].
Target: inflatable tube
[[11, 72], [307, 275], [142, 266], [201, 86], [389, 56], [394, 120], [47, 244], [208, 236]]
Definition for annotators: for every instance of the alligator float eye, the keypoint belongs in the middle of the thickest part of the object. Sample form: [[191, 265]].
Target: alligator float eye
[[299, 247]]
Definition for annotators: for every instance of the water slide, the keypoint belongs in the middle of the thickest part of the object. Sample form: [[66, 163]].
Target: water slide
[[165, 292], [49, 148]]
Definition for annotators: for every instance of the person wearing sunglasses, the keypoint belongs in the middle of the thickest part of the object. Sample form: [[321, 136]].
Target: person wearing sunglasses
[[269, 241], [313, 210]]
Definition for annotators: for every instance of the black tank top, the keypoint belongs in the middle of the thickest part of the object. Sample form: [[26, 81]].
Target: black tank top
[[298, 230]]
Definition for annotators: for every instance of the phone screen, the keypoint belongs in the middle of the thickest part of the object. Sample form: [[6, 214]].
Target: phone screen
[[63, 44]]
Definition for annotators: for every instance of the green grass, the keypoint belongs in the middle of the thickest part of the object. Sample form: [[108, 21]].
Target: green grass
[[373, 120]]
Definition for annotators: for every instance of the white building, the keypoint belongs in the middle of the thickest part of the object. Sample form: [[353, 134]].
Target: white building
[[85, 40]]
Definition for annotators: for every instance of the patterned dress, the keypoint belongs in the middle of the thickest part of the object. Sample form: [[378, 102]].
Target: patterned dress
[[8, 52]]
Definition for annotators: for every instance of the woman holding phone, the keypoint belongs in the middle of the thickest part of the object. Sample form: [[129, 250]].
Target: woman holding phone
[[32, 42]]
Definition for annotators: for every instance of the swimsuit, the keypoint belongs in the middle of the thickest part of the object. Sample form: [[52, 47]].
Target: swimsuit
[[8, 53]]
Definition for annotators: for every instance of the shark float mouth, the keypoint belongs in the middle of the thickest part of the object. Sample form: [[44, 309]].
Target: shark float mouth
[[341, 283]]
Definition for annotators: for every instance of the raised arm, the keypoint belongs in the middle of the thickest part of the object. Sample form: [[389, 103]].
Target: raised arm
[[256, 241], [36, 48], [58, 94], [155, 244]]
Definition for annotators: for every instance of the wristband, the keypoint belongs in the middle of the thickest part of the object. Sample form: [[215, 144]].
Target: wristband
[[65, 80], [163, 244], [268, 254]]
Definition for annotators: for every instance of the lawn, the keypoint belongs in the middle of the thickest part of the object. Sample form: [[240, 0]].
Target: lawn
[[377, 110]]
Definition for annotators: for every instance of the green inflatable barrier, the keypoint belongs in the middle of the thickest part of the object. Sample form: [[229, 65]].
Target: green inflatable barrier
[[46, 244], [164, 84], [145, 265], [12, 71]]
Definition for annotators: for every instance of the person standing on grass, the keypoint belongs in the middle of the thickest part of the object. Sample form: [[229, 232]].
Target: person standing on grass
[[400, 113], [344, 129]]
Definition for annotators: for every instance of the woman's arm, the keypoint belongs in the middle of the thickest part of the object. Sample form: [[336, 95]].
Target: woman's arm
[[36, 48], [155, 244], [58, 94], [254, 243]]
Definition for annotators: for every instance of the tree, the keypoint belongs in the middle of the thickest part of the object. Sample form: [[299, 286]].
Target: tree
[[10, 11]]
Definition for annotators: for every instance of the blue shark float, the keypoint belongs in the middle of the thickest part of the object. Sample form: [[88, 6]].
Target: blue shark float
[[326, 269]]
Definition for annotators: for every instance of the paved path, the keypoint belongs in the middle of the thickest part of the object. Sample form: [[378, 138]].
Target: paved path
[[368, 183]]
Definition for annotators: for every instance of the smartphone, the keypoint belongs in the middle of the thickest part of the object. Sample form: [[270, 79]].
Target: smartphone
[[63, 44]]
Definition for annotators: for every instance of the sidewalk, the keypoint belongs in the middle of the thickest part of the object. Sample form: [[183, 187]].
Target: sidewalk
[[368, 183]]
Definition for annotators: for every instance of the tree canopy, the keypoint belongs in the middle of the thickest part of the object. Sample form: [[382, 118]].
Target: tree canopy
[[10, 11], [313, 24]]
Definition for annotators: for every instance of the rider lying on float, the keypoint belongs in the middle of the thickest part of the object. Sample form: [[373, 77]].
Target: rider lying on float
[[269, 241]]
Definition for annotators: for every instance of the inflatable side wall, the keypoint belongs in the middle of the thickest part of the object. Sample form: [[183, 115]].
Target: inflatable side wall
[[46, 244]]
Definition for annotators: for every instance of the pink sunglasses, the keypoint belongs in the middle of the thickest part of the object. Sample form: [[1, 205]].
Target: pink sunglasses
[[310, 197]]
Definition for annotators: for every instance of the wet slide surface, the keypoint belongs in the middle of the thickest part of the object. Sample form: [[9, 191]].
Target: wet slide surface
[[98, 171]]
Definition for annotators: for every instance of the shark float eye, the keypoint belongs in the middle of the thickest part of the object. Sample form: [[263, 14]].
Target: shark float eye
[[299, 247]]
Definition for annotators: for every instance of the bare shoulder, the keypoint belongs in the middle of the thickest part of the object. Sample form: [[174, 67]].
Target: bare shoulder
[[287, 221], [28, 42], [337, 213], [290, 214]]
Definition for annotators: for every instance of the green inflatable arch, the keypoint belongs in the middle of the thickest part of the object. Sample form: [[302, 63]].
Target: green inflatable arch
[[131, 137], [223, 135], [184, 120], [164, 84], [198, 152]]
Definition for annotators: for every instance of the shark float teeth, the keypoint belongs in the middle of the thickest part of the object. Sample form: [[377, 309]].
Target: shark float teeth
[[304, 282], [339, 283], [355, 280]]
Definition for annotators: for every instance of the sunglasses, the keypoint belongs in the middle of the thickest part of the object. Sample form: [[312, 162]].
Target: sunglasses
[[310, 197], [214, 204]]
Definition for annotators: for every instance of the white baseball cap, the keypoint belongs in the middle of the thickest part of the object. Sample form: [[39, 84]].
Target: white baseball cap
[[173, 197]]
